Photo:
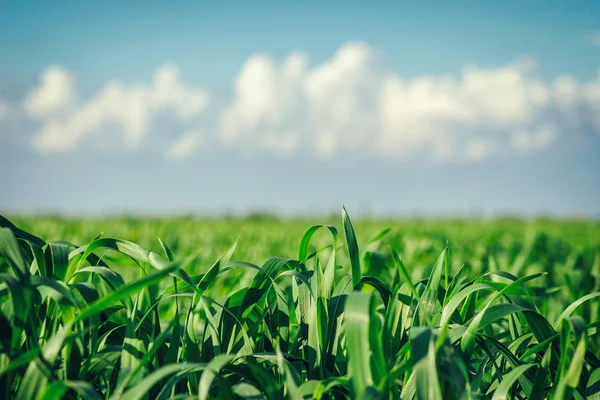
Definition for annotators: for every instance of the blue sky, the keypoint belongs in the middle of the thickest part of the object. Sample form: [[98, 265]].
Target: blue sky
[[164, 107]]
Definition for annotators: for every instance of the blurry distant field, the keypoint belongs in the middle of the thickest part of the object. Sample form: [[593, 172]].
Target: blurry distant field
[[420, 241], [429, 282], [517, 246]]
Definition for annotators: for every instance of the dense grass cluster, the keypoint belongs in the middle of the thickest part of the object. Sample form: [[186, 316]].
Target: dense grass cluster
[[505, 315]]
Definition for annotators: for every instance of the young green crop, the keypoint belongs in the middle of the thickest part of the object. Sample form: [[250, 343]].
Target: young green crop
[[345, 317]]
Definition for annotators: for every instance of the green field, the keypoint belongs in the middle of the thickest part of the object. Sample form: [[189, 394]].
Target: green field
[[259, 307]]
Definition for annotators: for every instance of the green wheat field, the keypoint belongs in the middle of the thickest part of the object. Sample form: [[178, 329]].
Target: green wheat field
[[262, 308]]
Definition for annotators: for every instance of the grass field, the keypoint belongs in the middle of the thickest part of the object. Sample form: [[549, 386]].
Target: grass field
[[266, 308]]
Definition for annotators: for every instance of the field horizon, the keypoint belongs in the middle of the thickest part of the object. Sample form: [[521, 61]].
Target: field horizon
[[257, 214]]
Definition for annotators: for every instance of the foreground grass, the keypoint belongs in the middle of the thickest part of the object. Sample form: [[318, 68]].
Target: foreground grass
[[111, 319]]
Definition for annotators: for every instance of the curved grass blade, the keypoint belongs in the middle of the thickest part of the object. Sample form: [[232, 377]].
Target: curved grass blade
[[365, 355], [502, 392], [352, 248]]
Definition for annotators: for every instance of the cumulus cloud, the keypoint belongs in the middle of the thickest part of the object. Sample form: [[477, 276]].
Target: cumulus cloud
[[129, 107], [184, 146], [283, 107], [353, 102], [267, 104], [56, 93]]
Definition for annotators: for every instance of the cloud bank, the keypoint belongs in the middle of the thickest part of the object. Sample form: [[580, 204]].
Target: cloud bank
[[129, 107], [350, 103], [353, 102]]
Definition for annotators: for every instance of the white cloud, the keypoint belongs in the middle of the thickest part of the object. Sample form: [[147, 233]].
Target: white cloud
[[130, 107], [353, 102], [284, 107], [184, 146], [56, 93], [266, 98], [451, 118]]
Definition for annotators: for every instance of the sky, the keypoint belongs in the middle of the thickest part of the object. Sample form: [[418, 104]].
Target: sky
[[294, 108]]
